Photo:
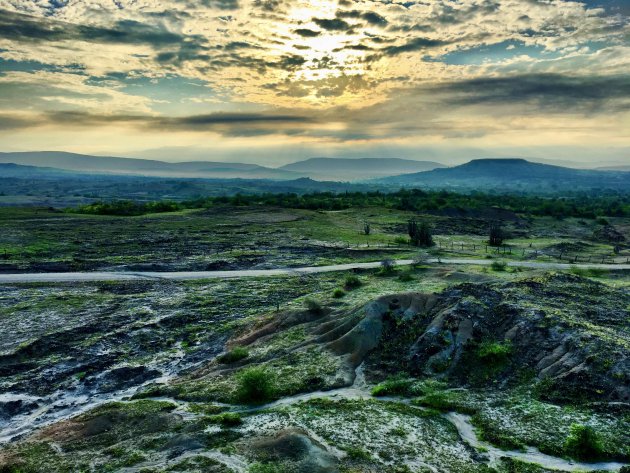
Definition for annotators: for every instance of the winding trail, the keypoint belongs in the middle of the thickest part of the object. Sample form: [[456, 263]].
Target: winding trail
[[256, 273]]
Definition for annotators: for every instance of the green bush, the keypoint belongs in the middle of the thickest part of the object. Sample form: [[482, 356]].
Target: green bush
[[313, 306], [494, 352], [583, 442], [352, 282], [255, 386], [406, 276], [234, 355], [498, 265], [338, 293]]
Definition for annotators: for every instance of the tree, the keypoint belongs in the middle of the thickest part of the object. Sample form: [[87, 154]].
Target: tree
[[496, 235], [366, 228], [420, 234]]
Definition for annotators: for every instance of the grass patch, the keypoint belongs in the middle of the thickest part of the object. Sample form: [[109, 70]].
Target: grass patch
[[352, 282], [226, 419], [234, 355], [498, 266]]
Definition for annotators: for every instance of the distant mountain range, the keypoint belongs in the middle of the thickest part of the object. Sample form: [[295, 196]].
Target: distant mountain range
[[312, 174], [512, 174], [145, 167], [343, 169], [321, 169]]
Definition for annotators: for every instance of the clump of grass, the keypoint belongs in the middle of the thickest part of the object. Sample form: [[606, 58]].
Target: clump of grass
[[227, 419], [313, 306], [234, 355], [583, 442], [393, 387], [255, 386], [498, 265], [339, 293], [352, 282], [356, 453], [406, 276]]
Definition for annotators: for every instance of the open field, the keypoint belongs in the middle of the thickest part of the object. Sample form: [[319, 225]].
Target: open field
[[260, 237]]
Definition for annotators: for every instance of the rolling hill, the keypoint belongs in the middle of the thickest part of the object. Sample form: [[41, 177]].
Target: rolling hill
[[513, 174], [342, 169], [145, 167]]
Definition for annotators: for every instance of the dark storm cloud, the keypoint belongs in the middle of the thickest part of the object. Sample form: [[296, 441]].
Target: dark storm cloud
[[372, 18], [227, 124], [415, 44], [19, 27], [562, 92], [334, 24], [448, 15], [306, 33], [218, 4]]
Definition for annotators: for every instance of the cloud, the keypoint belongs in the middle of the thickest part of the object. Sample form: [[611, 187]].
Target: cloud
[[371, 17], [545, 91], [307, 33], [415, 44], [334, 24], [17, 26]]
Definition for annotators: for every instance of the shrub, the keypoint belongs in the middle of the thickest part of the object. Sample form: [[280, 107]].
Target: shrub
[[496, 235], [338, 293], [583, 442], [406, 276], [388, 267], [498, 265], [234, 355], [420, 234], [313, 306], [352, 282], [255, 385]]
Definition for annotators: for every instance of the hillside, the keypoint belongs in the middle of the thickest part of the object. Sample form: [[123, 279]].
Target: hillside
[[513, 174], [341, 169], [146, 167]]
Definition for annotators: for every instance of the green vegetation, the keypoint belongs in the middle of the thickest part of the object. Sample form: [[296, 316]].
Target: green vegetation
[[581, 205], [228, 419], [494, 352], [352, 282], [398, 386], [234, 355], [339, 293], [128, 208], [420, 234], [255, 386], [498, 266], [583, 442]]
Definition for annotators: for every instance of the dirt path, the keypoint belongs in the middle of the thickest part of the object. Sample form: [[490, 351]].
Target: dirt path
[[255, 273]]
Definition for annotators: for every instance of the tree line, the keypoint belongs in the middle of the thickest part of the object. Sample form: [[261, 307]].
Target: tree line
[[580, 205]]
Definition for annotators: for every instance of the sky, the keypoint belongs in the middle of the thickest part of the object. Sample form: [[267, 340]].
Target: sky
[[274, 81]]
